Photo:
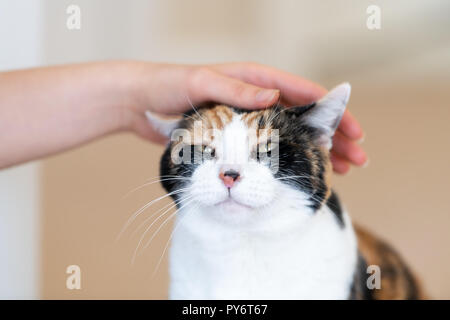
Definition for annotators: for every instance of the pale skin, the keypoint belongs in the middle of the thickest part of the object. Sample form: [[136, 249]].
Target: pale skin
[[44, 111]]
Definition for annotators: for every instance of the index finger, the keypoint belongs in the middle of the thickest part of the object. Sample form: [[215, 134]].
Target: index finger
[[295, 90]]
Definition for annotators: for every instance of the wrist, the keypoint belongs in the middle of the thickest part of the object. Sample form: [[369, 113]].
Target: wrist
[[118, 92], [131, 90]]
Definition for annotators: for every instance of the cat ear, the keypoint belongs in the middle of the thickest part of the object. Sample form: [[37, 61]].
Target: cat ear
[[327, 113], [164, 126]]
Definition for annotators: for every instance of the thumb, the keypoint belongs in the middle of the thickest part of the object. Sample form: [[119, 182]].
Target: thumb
[[212, 86]]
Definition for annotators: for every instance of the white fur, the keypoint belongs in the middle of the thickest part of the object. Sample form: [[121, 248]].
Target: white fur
[[296, 255], [328, 112], [261, 240], [162, 125]]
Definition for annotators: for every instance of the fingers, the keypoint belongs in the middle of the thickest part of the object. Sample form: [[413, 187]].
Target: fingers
[[350, 127], [345, 149], [348, 150], [295, 90], [252, 86], [340, 165], [208, 85]]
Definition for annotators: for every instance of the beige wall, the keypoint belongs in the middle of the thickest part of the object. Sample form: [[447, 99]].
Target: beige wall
[[400, 94]]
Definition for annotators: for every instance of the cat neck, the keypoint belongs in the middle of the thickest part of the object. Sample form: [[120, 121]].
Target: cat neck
[[219, 260]]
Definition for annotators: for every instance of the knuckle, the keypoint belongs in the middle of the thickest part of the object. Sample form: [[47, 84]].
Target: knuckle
[[197, 79], [200, 75], [239, 90]]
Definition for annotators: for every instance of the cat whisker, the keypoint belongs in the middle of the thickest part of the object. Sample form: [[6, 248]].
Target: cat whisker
[[167, 220], [153, 182], [291, 177], [304, 184], [192, 106], [189, 116], [138, 212], [171, 205], [145, 232], [297, 177], [275, 113], [159, 228], [170, 238]]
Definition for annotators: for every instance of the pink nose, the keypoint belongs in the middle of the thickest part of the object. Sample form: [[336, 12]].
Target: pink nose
[[229, 177]]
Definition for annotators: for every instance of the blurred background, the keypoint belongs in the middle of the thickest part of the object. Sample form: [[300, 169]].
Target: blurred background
[[69, 209]]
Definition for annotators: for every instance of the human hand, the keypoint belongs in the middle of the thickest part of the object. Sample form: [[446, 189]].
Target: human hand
[[247, 85]]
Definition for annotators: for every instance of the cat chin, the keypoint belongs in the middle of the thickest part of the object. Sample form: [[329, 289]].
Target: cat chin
[[233, 206], [230, 212]]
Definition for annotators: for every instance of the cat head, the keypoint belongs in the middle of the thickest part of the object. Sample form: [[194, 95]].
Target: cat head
[[229, 160]]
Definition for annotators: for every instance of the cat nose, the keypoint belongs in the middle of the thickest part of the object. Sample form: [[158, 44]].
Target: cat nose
[[229, 177]]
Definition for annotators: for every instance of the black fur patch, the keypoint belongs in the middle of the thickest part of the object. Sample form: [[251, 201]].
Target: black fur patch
[[168, 170], [335, 205], [359, 289], [299, 155]]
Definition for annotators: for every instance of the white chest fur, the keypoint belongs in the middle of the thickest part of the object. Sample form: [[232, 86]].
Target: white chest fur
[[297, 255]]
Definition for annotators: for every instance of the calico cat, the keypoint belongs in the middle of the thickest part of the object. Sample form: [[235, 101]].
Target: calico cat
[[251, 225]]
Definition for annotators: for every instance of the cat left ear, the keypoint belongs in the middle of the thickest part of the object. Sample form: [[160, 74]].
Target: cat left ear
[[164, 126], [327, 113]]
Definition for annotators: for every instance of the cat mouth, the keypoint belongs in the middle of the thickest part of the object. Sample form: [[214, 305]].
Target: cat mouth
[[230, 202]]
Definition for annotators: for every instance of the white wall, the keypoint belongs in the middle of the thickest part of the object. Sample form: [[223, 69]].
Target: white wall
[[20, 47]]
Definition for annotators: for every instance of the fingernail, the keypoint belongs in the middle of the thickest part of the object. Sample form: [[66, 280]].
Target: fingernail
[[266, 95], [362, 138], [366, 163]]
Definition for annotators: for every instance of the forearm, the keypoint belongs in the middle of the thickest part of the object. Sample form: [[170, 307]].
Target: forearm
[[47, 110]]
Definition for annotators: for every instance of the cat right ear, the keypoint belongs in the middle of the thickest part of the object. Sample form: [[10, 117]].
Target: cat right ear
[[164, 126]]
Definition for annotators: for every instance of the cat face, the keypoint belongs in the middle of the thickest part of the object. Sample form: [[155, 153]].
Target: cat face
[[233, 161]]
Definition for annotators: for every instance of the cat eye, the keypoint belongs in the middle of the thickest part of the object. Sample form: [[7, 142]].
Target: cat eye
[[265, 147], [193, 153], [208, 152], [263, 151]]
